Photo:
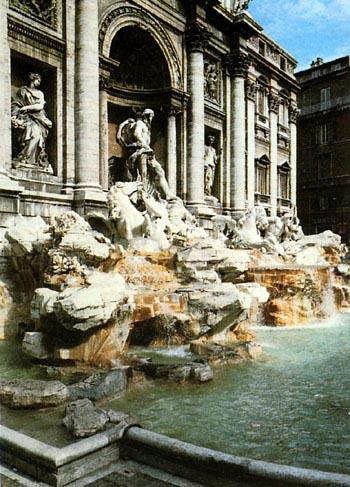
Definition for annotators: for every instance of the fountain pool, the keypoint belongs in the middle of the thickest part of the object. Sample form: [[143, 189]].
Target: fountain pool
[[290, 406]]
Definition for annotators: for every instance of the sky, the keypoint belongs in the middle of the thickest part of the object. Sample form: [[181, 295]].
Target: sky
[[306, 28]]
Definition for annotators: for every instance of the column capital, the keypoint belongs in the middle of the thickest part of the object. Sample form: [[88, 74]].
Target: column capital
[[237, 64], [197, 36], [251, 87], [294, 112], [171, 110], [274, 102]]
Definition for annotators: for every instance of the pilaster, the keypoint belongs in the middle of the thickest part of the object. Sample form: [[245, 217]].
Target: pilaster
[[196, 37], [171, 160], [251, 90], [87, 102], [274, 102], [237, 65], [104, 139], [293, 116], [8, 187]]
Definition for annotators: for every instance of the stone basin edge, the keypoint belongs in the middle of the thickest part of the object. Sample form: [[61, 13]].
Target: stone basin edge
[[168, 454]]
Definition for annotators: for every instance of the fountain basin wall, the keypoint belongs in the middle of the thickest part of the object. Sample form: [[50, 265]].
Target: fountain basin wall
[[59, 466], [63, 466]]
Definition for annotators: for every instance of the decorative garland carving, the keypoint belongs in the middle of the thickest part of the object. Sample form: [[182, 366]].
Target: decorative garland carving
[[43, 10], [294, 113], [237, 64], [197, 37], [274, 102], [251, 88], [153, 26]]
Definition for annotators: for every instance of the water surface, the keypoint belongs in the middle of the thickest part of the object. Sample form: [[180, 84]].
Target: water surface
[[290, 406]]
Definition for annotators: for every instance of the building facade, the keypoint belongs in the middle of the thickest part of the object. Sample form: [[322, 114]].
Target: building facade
[[324, 147], [205, 67]]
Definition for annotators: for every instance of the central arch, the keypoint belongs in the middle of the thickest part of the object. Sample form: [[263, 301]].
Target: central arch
[[127, 17], [142, 64]]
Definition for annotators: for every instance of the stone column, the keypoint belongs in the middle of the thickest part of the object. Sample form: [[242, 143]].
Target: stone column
[[238, 65], [87, 101], [196, 37], [104, 139], [274, 102], [171, 160], [9, 189], [5, 91], [251, 89], [293, 115]]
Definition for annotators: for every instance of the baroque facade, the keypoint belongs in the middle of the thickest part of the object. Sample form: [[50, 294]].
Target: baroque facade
[[324, 147], [204, 67]]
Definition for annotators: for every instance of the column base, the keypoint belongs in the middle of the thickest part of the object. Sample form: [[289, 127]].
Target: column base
[[89, 192], [237, 213], [89, 198], [200, 209]]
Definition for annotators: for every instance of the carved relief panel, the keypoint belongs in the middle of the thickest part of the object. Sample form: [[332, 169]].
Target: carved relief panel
[[44, 11], [212, 80]]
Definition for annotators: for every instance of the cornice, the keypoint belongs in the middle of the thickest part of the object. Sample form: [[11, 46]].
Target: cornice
[[15, 27]]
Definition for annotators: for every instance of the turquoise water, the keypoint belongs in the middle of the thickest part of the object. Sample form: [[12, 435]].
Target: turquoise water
[[290, 406], [14, 364]]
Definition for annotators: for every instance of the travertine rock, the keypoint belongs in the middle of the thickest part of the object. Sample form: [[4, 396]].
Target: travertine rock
[[216, 307], [83, 419], [24, 393], [27, 235], [34, 344], [92, 306], [43, 302], [99, 386]]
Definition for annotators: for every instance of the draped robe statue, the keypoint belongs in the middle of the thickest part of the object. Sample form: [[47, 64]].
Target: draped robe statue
[[29, 118]]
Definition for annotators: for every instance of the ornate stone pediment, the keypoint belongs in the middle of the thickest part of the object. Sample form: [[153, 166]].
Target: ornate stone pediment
[[43, 10]]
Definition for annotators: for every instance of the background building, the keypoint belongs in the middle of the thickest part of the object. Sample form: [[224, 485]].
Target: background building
[[205, 67], [324, 147]]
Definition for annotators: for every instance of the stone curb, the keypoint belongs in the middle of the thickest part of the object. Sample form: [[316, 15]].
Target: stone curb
[[210, 466]]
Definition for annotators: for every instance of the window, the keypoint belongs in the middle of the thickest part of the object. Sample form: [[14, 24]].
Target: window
[[306, 98], [325, 168], [325, 96], [324, 133], [284, 181], [283, 117], [262, 175], [282, 63], [262, 48], [262, 102]]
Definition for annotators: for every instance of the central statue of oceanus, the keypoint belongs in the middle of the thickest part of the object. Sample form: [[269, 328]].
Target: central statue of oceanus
[[134, 136]]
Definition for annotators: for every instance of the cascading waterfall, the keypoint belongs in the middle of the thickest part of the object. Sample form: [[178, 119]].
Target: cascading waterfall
[[328, 306]]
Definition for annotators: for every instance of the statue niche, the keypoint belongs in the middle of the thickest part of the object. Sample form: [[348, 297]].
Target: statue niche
[[31, 125]]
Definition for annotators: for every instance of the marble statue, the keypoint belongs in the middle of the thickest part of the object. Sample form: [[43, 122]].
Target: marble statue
[[210, 161], [210, 81], [29, 118], [141, 164], [240, 5]]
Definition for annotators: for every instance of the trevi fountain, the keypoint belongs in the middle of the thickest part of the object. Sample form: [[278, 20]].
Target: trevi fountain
[[234, 338]]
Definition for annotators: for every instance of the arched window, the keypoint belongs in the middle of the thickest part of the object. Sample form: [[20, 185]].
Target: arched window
[[262, 175], [284, 181]]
